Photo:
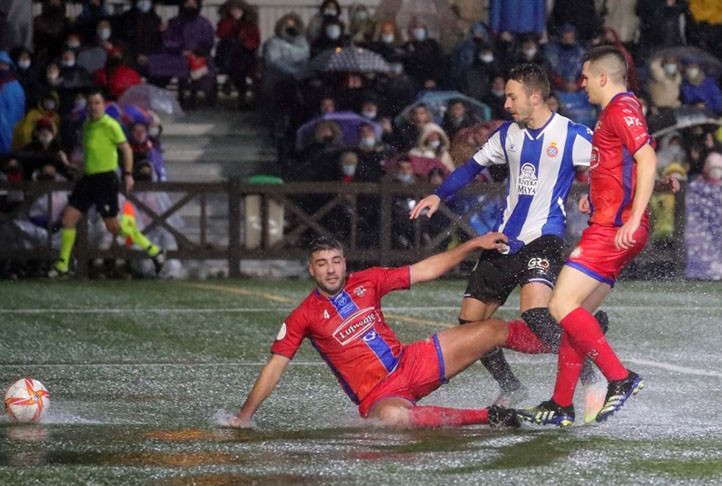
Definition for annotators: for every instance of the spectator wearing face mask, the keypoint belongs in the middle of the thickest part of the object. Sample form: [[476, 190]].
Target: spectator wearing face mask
[[565, 58], [370, 156], [665, 82], [92, 13], [94, 54], [712, 173], [75, 79], [406, 134], [386, 41], [698, 89], [47, 108], [401, 205], [433, 143], [318, 161], [144, 150], [496, 98], [27, 74], [670, 151], [44, 149], [528, 50], [361, 25], [423, 58], [332, 36], [139, 30], [478, 77], [464, 53], [456, 117], [365, 208], [285, 61], [328, 11]]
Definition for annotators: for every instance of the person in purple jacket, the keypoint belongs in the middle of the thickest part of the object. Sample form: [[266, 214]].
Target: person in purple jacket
[[187, 45]]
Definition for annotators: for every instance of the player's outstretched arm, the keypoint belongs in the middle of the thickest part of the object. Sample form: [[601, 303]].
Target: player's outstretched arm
[[265, 383], [435, 266], [455, 182]]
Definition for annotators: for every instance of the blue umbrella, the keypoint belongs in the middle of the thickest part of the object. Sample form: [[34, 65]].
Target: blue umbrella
[[436, 102], [348, 121]]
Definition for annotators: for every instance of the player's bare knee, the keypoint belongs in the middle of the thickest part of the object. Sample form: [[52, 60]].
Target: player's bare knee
[[392, 415], [492, 331], [557, 308]]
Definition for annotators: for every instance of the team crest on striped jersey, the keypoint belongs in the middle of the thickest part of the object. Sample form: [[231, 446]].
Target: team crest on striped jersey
[[553, 150]]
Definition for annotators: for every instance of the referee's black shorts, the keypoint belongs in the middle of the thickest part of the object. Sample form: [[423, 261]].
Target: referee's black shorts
[[100, 190], [496, 275]]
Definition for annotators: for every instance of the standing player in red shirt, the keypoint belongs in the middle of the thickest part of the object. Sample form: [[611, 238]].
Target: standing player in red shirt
[[343, 320], [621, 180]]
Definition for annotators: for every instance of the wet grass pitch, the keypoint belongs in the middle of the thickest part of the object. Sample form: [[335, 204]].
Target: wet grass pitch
[[141, 372]]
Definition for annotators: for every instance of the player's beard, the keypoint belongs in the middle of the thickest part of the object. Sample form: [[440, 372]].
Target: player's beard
[[331, 288]]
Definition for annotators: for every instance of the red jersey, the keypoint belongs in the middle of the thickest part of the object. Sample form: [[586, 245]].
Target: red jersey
[[619, 133], [349, 329]]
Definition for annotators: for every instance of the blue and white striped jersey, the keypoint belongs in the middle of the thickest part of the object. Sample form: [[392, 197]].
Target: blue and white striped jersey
[[542, 166]]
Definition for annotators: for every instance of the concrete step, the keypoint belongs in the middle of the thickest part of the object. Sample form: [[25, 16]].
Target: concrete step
[[210, 145]]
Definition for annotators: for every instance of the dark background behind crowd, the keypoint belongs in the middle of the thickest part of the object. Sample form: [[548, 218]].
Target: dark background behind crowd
[[402, 90]]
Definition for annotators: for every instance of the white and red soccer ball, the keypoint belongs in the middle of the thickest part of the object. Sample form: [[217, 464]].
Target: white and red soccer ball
[[27, 400]]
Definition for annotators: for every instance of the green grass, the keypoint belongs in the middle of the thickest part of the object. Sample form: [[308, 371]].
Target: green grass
[[139, 370]]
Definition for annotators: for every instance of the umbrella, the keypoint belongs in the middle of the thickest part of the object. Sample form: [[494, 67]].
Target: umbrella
[[421, 166], [349, 59], [152, 98], [348, 121], [711, 64], [674, 119], [436, 102]]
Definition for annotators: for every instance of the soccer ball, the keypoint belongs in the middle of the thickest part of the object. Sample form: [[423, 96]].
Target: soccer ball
[[27, 400]]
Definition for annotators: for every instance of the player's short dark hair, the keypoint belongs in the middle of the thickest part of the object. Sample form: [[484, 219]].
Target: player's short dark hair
[[615, 57], [96, 90], [323, 243], [532, 77]]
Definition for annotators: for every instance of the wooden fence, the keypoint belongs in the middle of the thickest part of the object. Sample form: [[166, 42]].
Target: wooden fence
[[217, 219]]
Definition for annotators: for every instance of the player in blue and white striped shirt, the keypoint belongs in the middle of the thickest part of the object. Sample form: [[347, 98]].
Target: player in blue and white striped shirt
[[543, 151]]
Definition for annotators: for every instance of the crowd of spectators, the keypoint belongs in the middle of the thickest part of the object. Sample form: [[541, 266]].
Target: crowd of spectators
[[432, 96]]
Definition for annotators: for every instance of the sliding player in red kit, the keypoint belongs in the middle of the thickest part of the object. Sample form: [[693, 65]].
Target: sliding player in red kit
[[343, 320], [622, 178]]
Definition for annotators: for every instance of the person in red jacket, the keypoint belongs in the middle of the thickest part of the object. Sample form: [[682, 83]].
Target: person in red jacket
[[116, 76], [239, 38]]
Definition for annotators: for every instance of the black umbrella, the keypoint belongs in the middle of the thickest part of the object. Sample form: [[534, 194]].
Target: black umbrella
[[350, 59], [674, 119]]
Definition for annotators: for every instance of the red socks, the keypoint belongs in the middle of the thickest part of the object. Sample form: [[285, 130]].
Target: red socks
[[523, 340], [442, 416], [582, 337], [586, 336], [569, 368]]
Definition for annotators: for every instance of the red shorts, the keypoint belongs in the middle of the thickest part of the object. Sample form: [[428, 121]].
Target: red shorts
[[419, 372], [597, 256]]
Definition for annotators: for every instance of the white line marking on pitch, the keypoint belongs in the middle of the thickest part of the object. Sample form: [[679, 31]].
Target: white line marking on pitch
[[644, 362], [670, 367]]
